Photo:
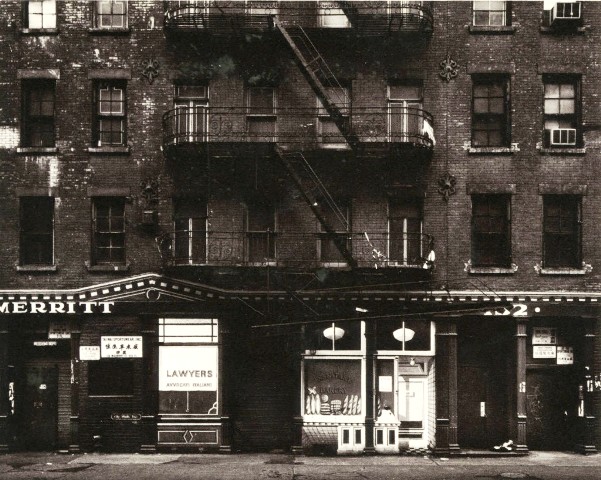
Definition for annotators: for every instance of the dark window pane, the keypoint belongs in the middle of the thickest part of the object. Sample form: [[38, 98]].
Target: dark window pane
[[490, 230]]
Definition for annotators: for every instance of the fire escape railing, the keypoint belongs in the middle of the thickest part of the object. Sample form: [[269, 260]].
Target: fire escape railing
[[292, 249]]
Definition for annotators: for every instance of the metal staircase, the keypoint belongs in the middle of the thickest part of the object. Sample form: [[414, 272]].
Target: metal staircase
[[318, 198], [320, 77]]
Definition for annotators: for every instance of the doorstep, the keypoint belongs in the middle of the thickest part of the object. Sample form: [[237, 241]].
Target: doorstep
[[486, 454]]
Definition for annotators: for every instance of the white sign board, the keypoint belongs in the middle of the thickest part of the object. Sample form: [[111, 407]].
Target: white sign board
[[565, 355], [59, 329], [188, 368], [385, 383], [89, 352], [544, 351], [121, 347], [544, 336]]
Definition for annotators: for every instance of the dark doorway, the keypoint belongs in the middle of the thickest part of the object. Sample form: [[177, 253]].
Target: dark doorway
[[552, 409], [483, 383], [37, 410], [264, 386]]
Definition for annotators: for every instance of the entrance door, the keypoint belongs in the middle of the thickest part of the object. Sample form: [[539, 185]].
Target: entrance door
[[413, 410], [552, 409], [38, 412]]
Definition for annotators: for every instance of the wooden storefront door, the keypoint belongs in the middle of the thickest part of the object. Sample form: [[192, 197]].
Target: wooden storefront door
[[38, 409], [552, 409]]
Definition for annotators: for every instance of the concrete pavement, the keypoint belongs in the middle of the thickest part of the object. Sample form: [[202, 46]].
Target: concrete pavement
[[538, 465]]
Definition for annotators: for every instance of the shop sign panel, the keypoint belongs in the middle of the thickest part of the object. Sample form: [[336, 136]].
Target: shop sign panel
[[89, 352], [544, 336], [121, 347], [565, 355], [59, 330], [544, 351], [188, 368]]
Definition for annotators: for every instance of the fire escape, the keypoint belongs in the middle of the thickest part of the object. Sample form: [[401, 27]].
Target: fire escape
[[331, 94]]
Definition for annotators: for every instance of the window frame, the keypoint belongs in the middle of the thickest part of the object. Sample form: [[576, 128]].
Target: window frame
[[45, 4], [330, 10], [189, 205], [269, 234], [25, 234], [574, 118], [575, 234], [38, 125], [111, 203], [506, 13], [98, 16], [345, 206], [397, 203], [260, 114], [488, 240], [482, 120], [324, 117], [110, 86]]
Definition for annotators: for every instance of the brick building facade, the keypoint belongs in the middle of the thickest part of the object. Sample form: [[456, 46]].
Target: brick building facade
[[310, 226]]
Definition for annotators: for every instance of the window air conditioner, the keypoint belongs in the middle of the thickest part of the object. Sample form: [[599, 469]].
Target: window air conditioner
[[563, 12], [563, 136]]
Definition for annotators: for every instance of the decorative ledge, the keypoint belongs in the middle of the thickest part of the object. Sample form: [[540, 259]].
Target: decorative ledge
[[495, 30], [110, 150], [107, 268], [39, 31], [562, 151], [109, 31], [36, 268], [514, 148], [586, 268], [490, 270], [37, 150]]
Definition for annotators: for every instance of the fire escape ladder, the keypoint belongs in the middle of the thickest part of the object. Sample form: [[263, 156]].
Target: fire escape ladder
[[350, 11], [318, 198], [321, 78]]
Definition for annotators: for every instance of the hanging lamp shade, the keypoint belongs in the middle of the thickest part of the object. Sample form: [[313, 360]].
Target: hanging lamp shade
[[403, 333], [333, 333]]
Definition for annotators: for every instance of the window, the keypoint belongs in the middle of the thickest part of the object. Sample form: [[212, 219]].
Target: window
[[262, 7], [562, 231], [328, 131], [111, 377], [407, 335], [261, 114], [338, 218], [111, 14], [490, 116], [561, 112], [404, 231], [110, 114], [191, 118], [188, 344], [40, 14], [491, 232], [260, 232], [332, 16], [108, 230], [190, 231], [490, 13], [36, 231], [38, 113], [405, 116]]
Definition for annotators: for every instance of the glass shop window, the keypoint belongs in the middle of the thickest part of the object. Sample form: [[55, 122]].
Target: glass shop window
[[408, 335], [334, 336]]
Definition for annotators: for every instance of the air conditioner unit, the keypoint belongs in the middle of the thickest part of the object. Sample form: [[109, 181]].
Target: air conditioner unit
[[565, 12], [563, 136]]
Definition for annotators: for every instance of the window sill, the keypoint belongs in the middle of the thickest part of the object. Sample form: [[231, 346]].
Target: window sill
[[110, 150], [39, 31], [37, 150], [109, 31], [36, 268], [493, 270], [564, 31], [107, 268], [494, 150], [562, 271], [562, 151], [495, 30]]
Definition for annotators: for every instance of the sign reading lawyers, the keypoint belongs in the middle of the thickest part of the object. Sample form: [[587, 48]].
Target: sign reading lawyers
[[121, 347], [188, 368]]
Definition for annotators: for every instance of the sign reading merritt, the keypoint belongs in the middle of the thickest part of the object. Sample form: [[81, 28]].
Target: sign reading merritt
[[70, 307]]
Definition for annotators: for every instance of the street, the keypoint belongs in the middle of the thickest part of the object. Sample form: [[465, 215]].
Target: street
[[538, 465]]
